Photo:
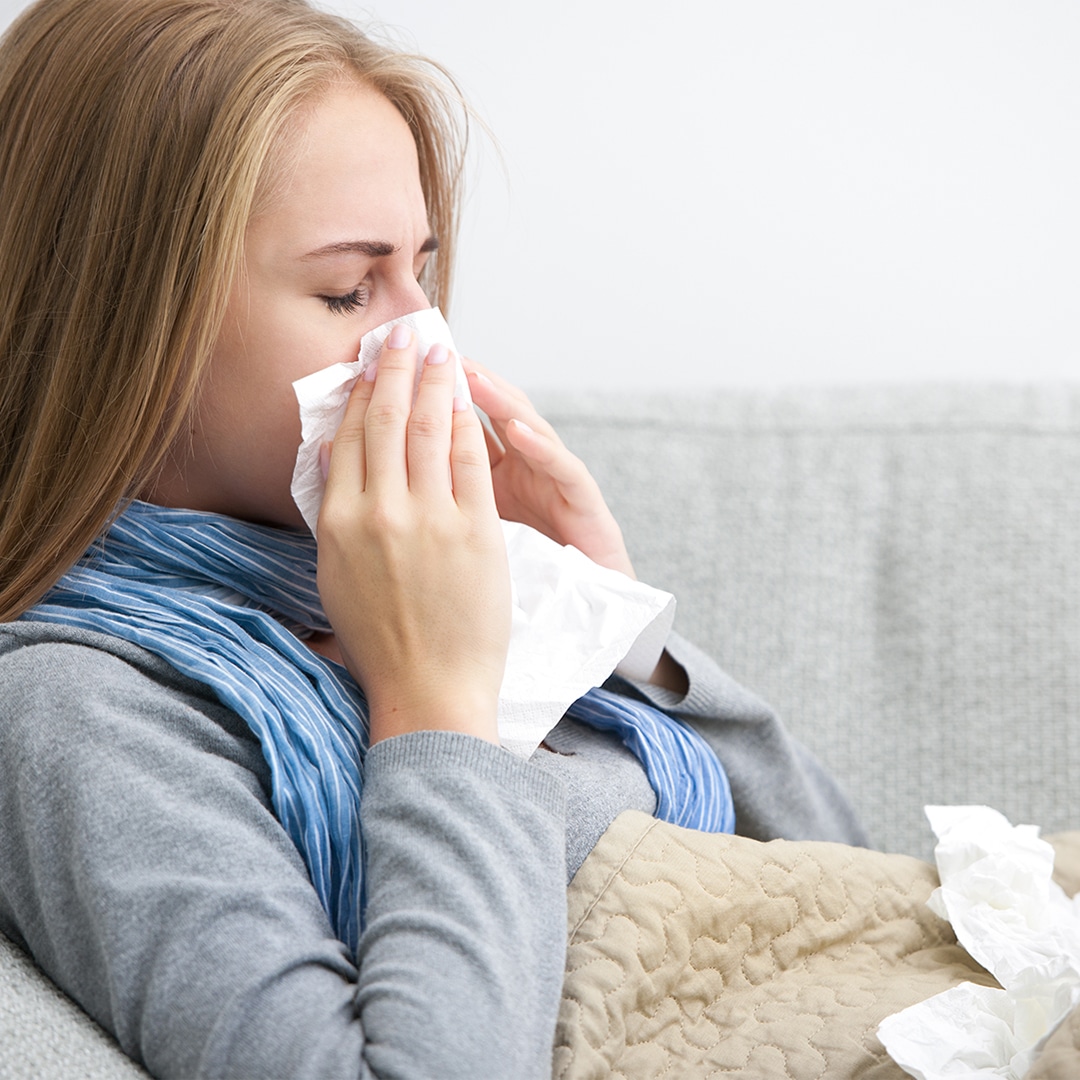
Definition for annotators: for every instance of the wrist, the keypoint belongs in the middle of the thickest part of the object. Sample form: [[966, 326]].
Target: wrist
[[669, 674], [470, 713]]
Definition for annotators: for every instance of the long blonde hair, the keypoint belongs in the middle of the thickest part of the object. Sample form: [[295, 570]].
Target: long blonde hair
[[135, 137]]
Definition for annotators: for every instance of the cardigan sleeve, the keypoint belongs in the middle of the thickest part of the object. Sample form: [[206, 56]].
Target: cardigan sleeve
[[780, 790], [143, 868]]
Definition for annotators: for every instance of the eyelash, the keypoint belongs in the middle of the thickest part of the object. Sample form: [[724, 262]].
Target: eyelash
[[347, 304]]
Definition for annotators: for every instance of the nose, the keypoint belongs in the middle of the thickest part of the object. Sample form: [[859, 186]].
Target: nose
[[405, 297]]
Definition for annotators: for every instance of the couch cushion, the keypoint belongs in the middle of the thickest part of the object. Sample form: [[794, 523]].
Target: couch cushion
[[45, 1034]]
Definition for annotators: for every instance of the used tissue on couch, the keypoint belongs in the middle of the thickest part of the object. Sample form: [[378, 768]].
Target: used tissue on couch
[[573, 622], [997, 892]]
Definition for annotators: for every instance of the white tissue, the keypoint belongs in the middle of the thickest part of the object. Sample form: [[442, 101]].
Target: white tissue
[[996, 890], [573, 622], [323, 396]]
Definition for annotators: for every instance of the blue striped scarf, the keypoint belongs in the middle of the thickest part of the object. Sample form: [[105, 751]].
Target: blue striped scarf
[[223, 602]]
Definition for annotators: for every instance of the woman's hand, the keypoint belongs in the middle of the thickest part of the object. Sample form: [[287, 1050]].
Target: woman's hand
[[538, 481], [412, 563]]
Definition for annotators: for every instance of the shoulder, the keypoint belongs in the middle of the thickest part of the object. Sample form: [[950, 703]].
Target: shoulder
[[65, 653], [65, 687]]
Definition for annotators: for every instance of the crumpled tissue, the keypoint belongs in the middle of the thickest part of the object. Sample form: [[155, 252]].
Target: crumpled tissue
[[573, 622], [997, 892]]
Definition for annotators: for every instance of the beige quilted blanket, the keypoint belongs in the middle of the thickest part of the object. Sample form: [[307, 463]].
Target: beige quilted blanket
[[694, 955]]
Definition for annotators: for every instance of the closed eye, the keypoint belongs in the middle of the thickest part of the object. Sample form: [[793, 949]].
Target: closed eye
[[347, 304]]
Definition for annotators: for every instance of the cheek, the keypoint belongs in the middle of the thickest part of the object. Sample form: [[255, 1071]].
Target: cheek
[[262, 344], [256, 364], [293, 339], [246, 406], [268, 341]]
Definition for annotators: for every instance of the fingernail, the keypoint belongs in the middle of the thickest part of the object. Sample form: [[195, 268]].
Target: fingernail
[[370, 371], [399, 337], [460, 404], [324, 459], [524, 427], [438, 354]]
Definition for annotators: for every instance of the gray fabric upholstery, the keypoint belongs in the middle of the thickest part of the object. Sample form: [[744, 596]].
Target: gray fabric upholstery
[[44, 1035], [897, 570]]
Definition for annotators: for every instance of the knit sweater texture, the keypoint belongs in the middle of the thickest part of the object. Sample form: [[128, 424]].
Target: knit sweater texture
[[143, 868]]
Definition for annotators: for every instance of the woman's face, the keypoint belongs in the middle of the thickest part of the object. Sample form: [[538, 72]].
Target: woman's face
[[336, 253]]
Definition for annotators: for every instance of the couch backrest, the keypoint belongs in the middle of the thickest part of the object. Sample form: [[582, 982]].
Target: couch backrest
[[897, 570]]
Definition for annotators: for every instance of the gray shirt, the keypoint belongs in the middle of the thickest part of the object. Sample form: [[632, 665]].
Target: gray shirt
[[142, 866]]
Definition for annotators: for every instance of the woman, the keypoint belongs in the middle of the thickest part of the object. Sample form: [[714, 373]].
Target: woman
[[232, 858]]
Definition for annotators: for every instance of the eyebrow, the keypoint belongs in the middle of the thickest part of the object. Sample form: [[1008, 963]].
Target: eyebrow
[[373, 249]]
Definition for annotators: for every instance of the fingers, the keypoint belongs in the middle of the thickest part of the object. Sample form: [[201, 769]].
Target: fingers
[[346, 470], [497, 381], [430, 426], [537, 480], [498, 398], [495, 449], [549, 455], [386, 442], [470, 467], [518, 425], [503, 403], [386, 418]]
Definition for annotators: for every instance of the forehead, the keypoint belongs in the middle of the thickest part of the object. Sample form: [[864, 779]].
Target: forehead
[[348, 163]]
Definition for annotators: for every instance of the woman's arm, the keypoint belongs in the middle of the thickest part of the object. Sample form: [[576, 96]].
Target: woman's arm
[[142, 865], [779, 788]]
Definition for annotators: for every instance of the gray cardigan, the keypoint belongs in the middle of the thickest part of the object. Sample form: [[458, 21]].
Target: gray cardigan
[[142, 866]]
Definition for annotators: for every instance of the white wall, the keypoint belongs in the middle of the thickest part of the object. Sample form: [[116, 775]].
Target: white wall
[[761, 191]]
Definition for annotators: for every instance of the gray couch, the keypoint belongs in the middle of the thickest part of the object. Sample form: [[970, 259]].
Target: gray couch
[[897, 570]]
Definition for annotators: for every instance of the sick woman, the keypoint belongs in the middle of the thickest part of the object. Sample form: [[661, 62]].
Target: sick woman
[[256, 818]]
